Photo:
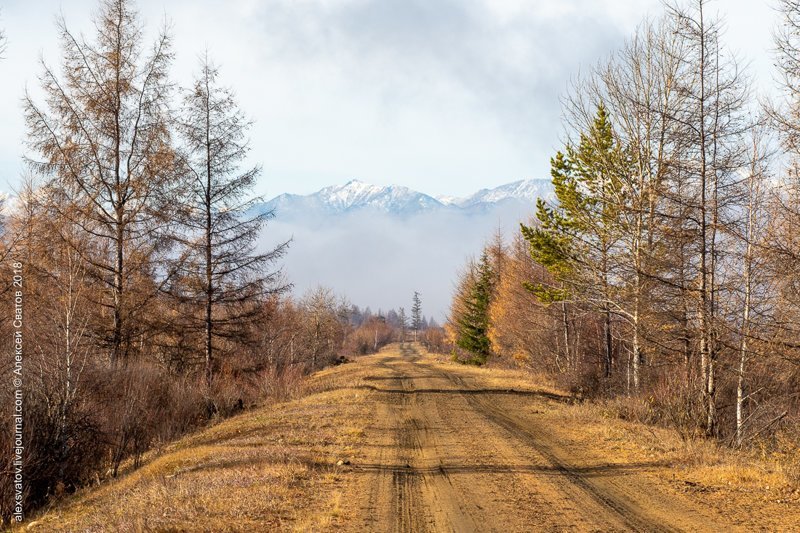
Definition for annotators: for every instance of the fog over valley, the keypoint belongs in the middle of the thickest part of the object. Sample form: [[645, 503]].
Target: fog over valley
[[377, 245]]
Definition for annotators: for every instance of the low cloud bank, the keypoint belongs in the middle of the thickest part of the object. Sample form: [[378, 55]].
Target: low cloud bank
[[378, 259]]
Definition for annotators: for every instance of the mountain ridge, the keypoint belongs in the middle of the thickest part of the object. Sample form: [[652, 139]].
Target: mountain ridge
[[356, 195]]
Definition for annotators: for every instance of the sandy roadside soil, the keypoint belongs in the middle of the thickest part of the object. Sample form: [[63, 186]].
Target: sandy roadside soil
[[399, 441]]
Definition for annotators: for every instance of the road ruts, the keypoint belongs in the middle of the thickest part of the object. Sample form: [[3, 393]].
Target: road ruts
[[445, 454]]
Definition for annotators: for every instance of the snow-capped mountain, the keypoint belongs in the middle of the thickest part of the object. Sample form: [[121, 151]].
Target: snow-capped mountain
[[356, 195], [526, 190], [378, 244]]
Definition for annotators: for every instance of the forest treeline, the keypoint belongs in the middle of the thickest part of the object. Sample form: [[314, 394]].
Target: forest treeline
[[664, 272], [151, 300]]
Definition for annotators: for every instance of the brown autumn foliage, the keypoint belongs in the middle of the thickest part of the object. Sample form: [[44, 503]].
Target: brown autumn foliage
[[147, 310], [514, 331], [697, 224], [369, 337]]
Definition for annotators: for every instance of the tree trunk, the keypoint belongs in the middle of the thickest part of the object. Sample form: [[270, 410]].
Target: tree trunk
[[565, 322], [748, 289], [116, 336], [609, 342], [636, 355], [209, 286]]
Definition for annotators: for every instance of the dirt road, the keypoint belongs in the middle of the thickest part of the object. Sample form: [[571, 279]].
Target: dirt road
[[403, 441], [446, 453]]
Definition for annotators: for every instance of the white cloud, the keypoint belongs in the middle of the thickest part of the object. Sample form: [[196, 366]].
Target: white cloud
[[441, 95]]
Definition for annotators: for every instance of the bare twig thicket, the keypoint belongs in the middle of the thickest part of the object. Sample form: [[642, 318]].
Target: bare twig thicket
[[151, 304], [664, 271]]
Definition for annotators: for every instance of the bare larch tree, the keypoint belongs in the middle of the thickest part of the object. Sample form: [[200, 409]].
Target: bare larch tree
[[103, 137], [223, 271]]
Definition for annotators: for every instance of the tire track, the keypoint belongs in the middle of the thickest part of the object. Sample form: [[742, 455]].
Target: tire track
[[423, 497], [619, 503], [458, 457]]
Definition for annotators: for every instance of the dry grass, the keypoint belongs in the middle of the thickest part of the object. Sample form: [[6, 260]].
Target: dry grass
[[700, 461], [275, 468], [260, 471], [499, 377]]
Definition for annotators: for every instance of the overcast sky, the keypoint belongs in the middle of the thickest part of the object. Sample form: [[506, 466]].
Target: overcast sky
[[444, 96]]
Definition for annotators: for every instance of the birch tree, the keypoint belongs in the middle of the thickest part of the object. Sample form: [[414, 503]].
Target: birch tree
[[322, 327], [784, 247], [710, 126], [785, 113], [755, 285], [638, 85]]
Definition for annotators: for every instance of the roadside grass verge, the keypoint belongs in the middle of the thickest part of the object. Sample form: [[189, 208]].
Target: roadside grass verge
[[272, 468]]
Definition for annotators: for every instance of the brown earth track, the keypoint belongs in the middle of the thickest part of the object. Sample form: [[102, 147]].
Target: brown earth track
[[421, 496], [401, 441], [638, 509], [445, 454]]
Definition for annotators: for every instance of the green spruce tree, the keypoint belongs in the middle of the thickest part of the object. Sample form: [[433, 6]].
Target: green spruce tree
[[416, 314], [474, 324], [576, 238]]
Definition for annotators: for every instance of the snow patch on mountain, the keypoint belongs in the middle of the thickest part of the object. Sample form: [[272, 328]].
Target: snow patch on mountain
[[356, 195], [527, 190]]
